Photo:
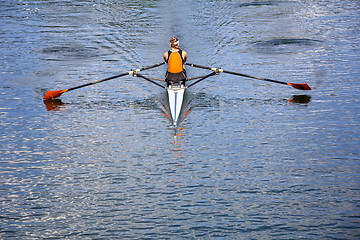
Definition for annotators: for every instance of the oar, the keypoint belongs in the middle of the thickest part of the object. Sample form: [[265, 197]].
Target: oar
[[54, 94], [301, 86]]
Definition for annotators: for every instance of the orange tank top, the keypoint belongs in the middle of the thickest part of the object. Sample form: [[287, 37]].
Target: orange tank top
[[175, 62]]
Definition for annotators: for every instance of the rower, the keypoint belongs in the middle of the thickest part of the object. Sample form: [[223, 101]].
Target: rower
[[175, 58]]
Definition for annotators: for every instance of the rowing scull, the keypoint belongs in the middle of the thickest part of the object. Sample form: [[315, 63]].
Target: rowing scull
[[175, 92]]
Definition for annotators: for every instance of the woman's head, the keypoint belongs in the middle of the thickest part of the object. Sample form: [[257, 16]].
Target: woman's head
[[174, 43]]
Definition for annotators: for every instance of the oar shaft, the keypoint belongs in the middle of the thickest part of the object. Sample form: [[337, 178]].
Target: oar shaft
[[55, 94], [235, 73], [117, 76], [99, 81], [259, 78]]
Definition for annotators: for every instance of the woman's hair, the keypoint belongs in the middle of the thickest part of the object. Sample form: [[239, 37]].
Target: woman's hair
[[174, 43]]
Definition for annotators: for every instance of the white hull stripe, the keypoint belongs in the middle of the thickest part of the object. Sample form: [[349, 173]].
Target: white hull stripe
[[175, 107]]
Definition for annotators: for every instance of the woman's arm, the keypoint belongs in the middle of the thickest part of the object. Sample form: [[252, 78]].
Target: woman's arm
[[184, 55]]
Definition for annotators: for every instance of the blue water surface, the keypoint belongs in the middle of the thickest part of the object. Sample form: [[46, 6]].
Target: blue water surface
[[251, 159]]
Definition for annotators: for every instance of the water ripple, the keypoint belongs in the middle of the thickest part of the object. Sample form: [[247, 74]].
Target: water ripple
[[284, 46]]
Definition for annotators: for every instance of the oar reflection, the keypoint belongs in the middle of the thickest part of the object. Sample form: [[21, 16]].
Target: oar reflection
[[54, 105], [300, 99]]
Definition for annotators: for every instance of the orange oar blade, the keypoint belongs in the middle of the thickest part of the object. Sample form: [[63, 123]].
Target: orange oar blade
[[54, 94], [301, 86]]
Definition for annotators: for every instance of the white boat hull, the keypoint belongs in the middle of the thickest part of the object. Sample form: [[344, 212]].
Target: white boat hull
[[176, 99]]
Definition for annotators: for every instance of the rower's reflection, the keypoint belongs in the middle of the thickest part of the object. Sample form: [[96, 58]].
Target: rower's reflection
[[178, 154]]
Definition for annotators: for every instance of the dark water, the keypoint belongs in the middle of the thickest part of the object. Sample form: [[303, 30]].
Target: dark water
[[251, 160]]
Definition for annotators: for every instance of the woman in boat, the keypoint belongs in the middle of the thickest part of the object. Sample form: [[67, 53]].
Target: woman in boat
[[175, 58]]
